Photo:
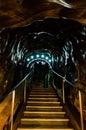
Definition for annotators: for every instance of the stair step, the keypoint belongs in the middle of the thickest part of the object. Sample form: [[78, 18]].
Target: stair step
[[42, 99], [46, 121], [44, 108], [29, 112], [43, 114], [43, 111], [42, 95], [42, 89], [43, 103], [24, 127]]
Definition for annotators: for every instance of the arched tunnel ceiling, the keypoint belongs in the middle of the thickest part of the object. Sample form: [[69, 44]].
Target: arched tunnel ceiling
[[14, 13], [63, 37]]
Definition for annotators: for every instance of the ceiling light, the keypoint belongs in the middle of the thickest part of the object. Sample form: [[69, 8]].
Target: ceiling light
[[50, 60], [37, 55], [42, 56], [28, 59], [46, 57], [32, 57]]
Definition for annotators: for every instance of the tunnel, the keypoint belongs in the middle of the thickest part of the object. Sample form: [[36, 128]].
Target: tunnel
[[56, 39], [45, 41]]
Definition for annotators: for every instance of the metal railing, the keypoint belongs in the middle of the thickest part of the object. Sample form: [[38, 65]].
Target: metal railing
[[13, 92], [80, 91], [13, 97]]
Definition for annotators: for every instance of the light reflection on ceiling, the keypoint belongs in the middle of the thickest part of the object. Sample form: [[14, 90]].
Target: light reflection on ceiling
[[61, 2]]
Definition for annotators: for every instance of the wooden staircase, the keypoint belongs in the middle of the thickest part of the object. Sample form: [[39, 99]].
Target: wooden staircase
[[43, 111]]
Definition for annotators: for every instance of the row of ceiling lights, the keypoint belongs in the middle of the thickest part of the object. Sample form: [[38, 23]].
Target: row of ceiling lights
[[39, 56]]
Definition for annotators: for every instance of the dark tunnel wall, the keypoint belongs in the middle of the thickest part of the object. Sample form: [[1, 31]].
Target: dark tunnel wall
[[64, 38]]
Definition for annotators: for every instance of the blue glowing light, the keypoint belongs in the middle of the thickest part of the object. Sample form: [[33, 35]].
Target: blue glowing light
[[42, 56], [50, 60], [28, 59], [46, 57], [32, 57], [37, 55]]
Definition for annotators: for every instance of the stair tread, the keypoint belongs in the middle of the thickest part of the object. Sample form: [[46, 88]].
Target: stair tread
[[38, 128], [42, 99], [44, 112], [42, 127], [44, 92], [45, 95], [44, 119], [43, 102], [51, 89], [44, 106], [41, 117], [45, 122]]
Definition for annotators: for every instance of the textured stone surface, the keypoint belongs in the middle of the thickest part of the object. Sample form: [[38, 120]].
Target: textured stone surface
[[15, 13]]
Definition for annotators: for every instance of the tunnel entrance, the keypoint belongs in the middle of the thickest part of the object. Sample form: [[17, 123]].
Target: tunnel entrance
[[40, 71]]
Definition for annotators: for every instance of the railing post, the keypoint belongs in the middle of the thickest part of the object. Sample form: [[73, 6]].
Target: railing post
[[25, 91], [81, 110], [63, 91], [12, 108]]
